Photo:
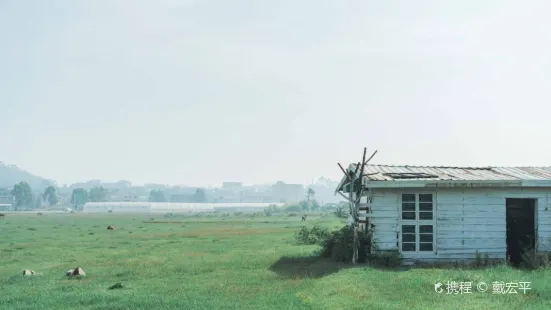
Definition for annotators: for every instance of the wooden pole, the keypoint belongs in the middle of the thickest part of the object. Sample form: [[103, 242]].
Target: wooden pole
[[356, 243], [352, 213]]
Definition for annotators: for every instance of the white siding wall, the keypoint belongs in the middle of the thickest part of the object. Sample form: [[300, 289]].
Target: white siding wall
[[384, 219], [467, 220]]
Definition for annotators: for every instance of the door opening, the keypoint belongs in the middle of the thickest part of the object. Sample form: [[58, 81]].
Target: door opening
[[521, 228]]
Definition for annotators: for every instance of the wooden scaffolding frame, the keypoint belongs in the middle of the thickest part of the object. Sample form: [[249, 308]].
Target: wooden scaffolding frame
[[354, 198]]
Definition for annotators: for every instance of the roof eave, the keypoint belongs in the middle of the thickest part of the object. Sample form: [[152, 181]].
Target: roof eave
[[457, 183], [344, 179]]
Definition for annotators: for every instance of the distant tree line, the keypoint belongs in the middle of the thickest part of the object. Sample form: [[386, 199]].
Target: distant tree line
[[81, 196], [25, 199], [310, 204]]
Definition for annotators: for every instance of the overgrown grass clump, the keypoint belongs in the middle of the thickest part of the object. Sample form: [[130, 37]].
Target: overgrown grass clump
[[338, 246], [313, 235], [536, 260]]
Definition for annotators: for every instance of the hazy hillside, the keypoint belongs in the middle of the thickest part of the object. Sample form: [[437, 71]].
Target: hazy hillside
[[10, 175]]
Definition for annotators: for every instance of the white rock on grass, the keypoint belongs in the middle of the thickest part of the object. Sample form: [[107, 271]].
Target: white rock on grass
[[75, 272], [28, 272]]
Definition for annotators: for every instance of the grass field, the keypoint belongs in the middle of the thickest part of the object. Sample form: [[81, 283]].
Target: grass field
[[218, 263]]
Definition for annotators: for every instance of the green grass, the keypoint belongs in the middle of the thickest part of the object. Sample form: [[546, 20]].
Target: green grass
[[217, 263]]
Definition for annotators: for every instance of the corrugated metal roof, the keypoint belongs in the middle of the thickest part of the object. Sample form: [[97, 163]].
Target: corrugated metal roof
[[418, 173]]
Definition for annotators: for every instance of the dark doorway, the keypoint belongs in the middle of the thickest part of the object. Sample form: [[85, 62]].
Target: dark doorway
[[521, 228]]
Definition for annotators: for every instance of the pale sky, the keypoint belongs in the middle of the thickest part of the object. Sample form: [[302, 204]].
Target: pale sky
[[201, 92]]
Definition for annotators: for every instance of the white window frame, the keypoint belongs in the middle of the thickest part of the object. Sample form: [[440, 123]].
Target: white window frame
[[417, 222]]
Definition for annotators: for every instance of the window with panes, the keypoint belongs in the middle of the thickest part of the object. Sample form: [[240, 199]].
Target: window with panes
[[417, 223]]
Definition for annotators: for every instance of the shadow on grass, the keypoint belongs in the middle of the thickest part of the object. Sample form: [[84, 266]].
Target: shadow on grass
[[291, 267], [446, 266], [306, 267]]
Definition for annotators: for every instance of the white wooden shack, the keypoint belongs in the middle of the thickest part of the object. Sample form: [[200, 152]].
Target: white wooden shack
[[451, 213]]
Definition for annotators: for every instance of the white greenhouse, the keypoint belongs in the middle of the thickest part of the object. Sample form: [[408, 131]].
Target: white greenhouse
[[117, 207], [172, 207]]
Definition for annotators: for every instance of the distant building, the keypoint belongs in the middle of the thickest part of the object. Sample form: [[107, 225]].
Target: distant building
[[232, 185], [119, 184], [236, 192], [6, 199], [179, 190], [253, 194], [227, 195], [182, 198], [86, 185], [283, 192], [132, 194], [130, 198], [151, 186]]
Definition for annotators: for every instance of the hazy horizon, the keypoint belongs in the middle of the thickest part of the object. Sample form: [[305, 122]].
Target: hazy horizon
[[314, 181], [202, 92]]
